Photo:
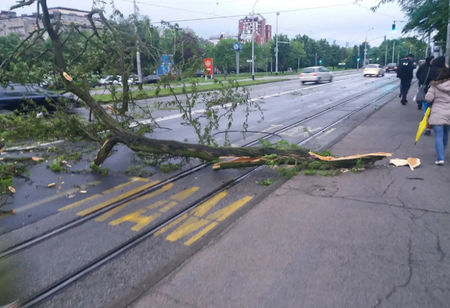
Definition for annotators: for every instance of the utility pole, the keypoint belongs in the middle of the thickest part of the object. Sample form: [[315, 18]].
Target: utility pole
[[447, 47], [138, 54], [365, 51], [315, 62], [428, 53], [385, 52], [276, 46], [298, 64], [174, 40], [393, 52], [357, 60], [253, 40]]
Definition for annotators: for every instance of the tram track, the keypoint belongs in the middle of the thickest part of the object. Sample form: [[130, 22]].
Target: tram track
[[104, 258], [267, 135]]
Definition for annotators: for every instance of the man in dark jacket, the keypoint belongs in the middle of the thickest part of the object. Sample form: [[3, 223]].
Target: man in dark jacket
[[422, 74], [423, 70], [405, 73]]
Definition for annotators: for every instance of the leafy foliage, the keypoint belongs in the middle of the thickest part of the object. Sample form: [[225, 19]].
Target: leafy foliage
[[424, 16]]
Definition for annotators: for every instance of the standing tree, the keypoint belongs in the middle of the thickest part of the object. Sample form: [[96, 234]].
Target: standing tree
[[224, 55]]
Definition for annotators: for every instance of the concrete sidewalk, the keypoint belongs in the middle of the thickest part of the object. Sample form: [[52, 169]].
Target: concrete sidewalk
[[379, 238]]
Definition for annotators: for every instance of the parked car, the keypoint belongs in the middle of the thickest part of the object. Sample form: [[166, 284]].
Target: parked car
[[25, 97], [391, 67], [110, 80], [315, 74], [151, 79], [373, 70]]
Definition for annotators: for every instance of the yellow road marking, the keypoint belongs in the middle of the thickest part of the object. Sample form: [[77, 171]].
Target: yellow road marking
[[114, 211], [51, 198], [170, 205], [140, 220], [157, 204], [116, 199], [156, 192], [184, 194], [75, 204], [179, 197], [190, 225], [223, 214], [135, 179], [110, 213], [136, 217], [202, 232], [195, 220], [172, 224], [78, 203], [209, 204]]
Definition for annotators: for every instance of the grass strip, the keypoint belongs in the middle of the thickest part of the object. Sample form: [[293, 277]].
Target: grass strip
[[106, 98]]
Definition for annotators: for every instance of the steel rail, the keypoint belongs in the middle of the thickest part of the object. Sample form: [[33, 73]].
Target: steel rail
[[135, 240], [78, 221]]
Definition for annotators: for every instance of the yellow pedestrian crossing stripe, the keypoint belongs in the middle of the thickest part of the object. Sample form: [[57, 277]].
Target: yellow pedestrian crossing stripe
[[195, 220], [141, 221], [114, 211], [190, 227], [116, 199], [115, 188]]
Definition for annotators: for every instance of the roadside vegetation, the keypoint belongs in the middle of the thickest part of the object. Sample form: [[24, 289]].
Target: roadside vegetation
[[70, 59]]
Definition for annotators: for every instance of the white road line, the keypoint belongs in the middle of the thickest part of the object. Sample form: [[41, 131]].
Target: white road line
[[179, 115]]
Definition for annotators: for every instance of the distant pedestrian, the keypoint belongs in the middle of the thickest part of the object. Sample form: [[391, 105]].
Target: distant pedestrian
[[436, 66], [439, 96], [405, 73], [422, 71]]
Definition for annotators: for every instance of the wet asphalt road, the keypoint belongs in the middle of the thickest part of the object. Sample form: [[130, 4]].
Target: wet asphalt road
[[116, 283]]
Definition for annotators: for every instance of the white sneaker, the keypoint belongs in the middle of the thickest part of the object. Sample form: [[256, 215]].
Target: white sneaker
[[439, 162]]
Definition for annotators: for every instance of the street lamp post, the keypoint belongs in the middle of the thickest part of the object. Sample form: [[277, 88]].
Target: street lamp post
[[253, 40], [393, 51], [138, 54], [276, 46], [365, 47]]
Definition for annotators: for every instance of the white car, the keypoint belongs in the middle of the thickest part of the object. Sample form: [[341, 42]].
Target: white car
[[315, 74], [110, 79], [373, 70]]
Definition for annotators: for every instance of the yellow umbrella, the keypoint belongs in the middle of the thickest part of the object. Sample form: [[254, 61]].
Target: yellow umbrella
[[423, 124]]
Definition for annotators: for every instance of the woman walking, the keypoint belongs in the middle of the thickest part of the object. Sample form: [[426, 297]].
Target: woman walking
[[439, 96], [435, 68]]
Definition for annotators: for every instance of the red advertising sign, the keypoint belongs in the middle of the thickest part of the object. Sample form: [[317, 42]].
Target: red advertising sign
[[208, 62]]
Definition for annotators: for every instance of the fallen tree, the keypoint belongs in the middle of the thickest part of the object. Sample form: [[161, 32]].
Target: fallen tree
[[119, 133]]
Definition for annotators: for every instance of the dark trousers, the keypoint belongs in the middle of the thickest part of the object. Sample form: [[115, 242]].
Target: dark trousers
[[405, 84]]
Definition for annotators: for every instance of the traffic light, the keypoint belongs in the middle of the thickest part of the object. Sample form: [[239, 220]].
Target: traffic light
[[358, 59], [393, 27], [320, 61]]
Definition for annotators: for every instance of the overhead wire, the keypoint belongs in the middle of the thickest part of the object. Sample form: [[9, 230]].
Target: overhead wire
[[241, 15]]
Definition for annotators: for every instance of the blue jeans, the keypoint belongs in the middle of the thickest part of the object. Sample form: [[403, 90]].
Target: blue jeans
[[440, 140]]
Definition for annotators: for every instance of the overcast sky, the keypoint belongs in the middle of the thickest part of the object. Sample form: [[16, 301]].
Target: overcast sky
[[335, 20]]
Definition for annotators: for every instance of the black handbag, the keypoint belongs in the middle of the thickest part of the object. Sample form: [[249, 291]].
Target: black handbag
[[420, 95]]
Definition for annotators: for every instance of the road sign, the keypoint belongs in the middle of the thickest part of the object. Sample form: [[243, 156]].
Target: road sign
[[237, 46], [249, 60], [165, 64]]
